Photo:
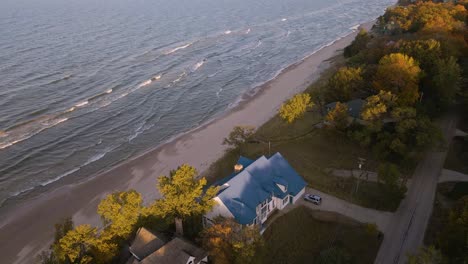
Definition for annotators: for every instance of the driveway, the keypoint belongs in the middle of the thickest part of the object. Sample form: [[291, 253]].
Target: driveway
[[356, 212], [405, 233], [452, 176]]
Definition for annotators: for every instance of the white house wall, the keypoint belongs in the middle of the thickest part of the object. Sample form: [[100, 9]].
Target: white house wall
[[299, 195]]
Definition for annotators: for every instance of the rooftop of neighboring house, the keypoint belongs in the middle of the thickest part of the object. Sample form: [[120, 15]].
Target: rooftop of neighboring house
[[176, 251], [145, 243], [354, 107]]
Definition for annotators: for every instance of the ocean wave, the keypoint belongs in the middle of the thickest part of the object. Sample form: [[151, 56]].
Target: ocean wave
[[140, 129], [148, 82], [56, 178], [213, 75], [247, 31], [28, 129], [180, 77], [227, 32], [198, 65], [81, 104], [355, 27], [259, 43], [218, 92], [284, 19], [178, 48], [89, 161]]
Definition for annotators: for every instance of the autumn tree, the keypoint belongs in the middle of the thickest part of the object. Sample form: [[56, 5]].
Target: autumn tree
[[426, 52], [399, 74], [77, 245], [344, 83], [295, 107], [229, 242], [376, 106], [425, 17], [61, 229], [427, 255], [239, 136], [338, 116], [120, 212], [182, 196]]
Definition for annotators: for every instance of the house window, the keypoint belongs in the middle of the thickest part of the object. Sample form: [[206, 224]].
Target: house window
[[285, 200]]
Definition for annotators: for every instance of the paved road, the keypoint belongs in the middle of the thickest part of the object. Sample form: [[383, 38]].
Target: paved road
[[405, 232], [361, 214], [452, 176]]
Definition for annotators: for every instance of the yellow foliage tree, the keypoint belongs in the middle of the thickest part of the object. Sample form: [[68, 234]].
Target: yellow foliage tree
[[295, 107], [338, 117], [76, 245], [344, 83], [399, 74], [377, 105], [120, 212], [182, 196]]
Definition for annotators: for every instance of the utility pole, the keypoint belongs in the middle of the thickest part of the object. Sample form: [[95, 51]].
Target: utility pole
[[361, 162]]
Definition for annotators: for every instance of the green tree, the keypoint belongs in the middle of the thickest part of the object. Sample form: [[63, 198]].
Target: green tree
[[399, 74], [120, 212], [295, 107], [453, 238], [417, 132], [427, 255], [228, 242], [182, 196], [446, 80], [390, 184], [358, 44], [338, 117], [239, 136], [344, 83]]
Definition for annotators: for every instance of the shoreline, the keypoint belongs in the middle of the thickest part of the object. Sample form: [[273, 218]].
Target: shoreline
[[198, 147]]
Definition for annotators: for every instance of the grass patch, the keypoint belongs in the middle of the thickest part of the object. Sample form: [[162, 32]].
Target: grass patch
[[310, 152], [298, 237], [457, 157]]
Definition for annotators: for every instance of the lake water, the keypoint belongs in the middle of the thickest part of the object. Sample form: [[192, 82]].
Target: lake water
[[85, 84]]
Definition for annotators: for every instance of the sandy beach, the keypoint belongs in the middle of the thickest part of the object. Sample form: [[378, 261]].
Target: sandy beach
[[28, 228]]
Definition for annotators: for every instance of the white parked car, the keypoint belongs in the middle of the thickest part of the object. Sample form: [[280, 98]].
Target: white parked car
[[313, 198]]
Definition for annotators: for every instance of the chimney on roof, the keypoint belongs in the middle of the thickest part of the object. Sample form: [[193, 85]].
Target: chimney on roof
[[238, 168]]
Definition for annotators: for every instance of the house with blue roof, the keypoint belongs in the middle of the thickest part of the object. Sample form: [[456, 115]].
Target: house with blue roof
[[256, 189]]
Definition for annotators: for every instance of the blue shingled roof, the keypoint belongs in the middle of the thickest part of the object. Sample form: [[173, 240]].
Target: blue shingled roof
[[256, 183]]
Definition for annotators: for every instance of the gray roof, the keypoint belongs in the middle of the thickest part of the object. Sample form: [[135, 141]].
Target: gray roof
[[176, 251], [145, 243], [354, 107]]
